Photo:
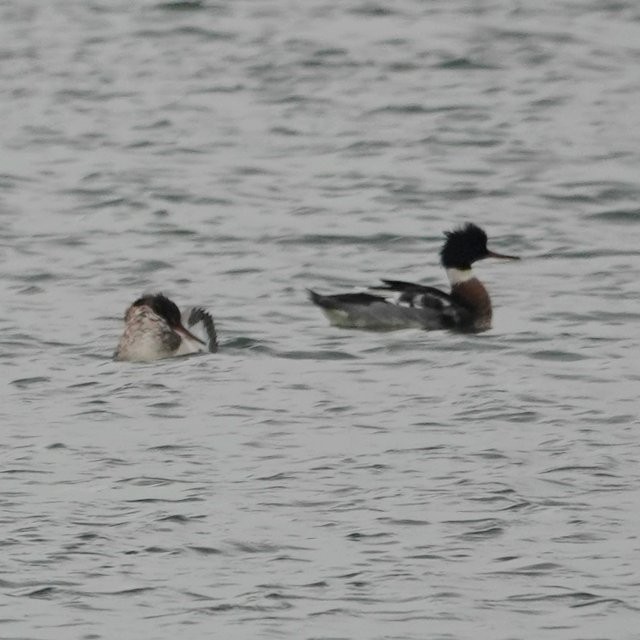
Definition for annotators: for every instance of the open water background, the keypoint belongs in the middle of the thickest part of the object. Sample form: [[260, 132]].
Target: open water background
[[308, 482]]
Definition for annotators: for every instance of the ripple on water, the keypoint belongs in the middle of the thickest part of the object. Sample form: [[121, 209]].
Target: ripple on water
[[617, 216]]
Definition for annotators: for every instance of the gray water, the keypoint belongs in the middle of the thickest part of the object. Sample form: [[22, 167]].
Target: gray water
[[309, 482]]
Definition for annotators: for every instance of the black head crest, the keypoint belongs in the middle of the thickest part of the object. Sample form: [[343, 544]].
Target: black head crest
[[464, 246]]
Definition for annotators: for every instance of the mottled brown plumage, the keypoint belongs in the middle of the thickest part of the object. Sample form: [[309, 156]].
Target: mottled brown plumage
[[154, 329]]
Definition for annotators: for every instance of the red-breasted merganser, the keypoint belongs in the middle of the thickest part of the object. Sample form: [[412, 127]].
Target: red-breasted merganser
[[155, 328], [466, 308]]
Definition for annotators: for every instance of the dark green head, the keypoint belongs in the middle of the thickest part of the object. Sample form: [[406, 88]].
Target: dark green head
[[466, 245]]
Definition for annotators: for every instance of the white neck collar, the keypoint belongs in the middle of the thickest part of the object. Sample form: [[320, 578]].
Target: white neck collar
[[456, 276]]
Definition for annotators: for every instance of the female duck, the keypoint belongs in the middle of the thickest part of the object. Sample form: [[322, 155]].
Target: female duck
[[155, 328]]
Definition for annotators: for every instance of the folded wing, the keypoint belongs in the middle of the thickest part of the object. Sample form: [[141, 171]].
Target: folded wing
[[399, 305]]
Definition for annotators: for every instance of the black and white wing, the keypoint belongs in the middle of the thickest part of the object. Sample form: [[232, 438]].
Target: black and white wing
[[412, 306], [201, 324], [416, 295]]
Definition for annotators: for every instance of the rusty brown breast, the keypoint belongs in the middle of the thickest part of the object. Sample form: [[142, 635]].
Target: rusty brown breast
[[473, 296]]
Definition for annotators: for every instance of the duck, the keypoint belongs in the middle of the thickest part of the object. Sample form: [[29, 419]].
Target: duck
[[155, 328], [396, 304]]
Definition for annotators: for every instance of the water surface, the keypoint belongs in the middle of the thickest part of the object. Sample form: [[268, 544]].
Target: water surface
[[309, 482]]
